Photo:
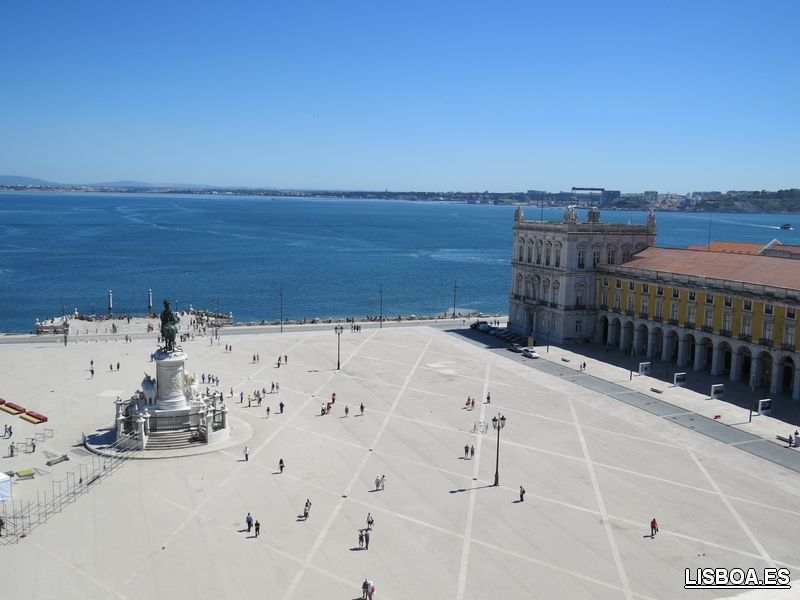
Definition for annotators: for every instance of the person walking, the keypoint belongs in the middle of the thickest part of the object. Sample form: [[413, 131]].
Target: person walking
[[280, 465], [466, 451], [360, 539], [364, 589], [371, 592], [472, 452], [281, 406], [259, 401], [488, 398], [521, 494], [258, 528], [346, 411], [366, 539], [246, 454], [377, 483], [653, 528], [362, 409], [307, 509], [383, 482], [370, 521], [249, 520]]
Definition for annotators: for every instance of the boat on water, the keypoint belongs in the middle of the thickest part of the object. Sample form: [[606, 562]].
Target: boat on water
[[786, 226]]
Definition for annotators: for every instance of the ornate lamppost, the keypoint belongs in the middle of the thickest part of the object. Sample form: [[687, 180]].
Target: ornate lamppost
[[498, 423], [338, 329]]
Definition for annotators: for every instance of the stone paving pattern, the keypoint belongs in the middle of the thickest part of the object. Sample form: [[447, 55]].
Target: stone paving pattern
[[596, 470]]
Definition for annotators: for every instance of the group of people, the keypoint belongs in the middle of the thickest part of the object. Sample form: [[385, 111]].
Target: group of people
[[380, 482], [469, 451], [470, 403], [209, 378]]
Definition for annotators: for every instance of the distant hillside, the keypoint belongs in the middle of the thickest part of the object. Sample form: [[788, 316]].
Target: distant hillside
[[17, 180]]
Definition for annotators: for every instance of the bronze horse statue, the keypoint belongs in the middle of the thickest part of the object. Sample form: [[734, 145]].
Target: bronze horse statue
[[169, 327]]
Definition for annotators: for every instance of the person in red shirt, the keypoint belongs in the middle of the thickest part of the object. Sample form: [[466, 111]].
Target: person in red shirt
[[653, 528]]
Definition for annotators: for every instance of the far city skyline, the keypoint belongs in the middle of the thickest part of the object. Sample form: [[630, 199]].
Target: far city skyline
[[627, 96]]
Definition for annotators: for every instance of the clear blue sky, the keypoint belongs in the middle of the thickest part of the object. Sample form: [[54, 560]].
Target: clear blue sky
[[671, 96]]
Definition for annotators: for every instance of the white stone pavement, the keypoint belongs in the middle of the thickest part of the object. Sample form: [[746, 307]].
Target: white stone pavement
[[596, 471]]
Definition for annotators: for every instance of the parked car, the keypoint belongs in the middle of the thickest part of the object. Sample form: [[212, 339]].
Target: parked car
[[484, 327], [530, 353], [515, 347]]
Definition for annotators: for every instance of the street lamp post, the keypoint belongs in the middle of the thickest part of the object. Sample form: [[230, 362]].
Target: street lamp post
[[455, 287], [380, 291], [281, 310], [498, 423], [338, 329]]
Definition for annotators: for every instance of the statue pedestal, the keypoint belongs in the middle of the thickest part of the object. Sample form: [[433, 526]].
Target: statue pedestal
[[169, 377]]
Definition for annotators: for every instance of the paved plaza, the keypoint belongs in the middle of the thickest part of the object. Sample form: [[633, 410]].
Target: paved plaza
[[596, 469]]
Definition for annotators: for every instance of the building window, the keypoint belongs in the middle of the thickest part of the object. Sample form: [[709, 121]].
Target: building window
[[769, 309], [558, 257], [617, 303], [618, 284], [604, 298], [746, 325], [728, 301], [709, 298], [747, 305], [631, 286], [630, 303], [595, 258], [611, 256], [789, 313], [788, 335], [660, 309], [530, 253], [538, 254], [726, 321], [626, 255], [547, 252], [690, 314], [517, 286], [645, 288], [527, 288], [766, 331], [645, 304], [709, 317], [522, 253], [555, 292], [579, 295], [581, 259], [676, 294], [673, 311], [578, 326], [660, 290], [692, 295], [605, 284]]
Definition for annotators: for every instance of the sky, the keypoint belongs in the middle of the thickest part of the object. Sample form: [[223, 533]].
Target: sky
[[437, 96]]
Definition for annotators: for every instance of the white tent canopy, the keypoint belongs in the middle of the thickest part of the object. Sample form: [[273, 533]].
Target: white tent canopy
[[5, 487]]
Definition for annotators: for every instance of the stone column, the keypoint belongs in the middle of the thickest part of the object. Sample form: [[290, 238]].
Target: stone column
[[140, 431], [666, 353], [651, 339], [755, 371], [736, 365], [683, 352], [699, 356], [119, 419], [717, 359], [637, 339], [796, 385], [775, 380]]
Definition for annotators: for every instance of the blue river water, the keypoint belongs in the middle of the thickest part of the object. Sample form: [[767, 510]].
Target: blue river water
[[251, 255]]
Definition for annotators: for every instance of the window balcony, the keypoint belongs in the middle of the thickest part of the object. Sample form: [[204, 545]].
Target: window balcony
[[726, 332], [765, 341], [744, 337], [518, 297], [629, 313], [658, 319], [616, 309], [789, 347], [707, 328], [644, 315], [603, 306], [688, 324], [673, 321]]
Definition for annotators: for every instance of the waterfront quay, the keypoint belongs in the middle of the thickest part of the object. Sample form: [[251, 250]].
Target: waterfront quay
[[596, 469]]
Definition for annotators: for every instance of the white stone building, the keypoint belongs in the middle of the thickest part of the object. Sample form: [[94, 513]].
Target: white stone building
[[555, 272]]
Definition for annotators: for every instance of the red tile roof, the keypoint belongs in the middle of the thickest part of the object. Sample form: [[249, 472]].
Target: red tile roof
[[731, 247], [746, 268]]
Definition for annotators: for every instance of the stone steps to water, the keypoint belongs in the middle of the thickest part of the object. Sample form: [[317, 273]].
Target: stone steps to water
[[172, 440]]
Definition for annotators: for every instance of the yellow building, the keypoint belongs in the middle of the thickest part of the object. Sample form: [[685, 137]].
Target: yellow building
[[730, 312]]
